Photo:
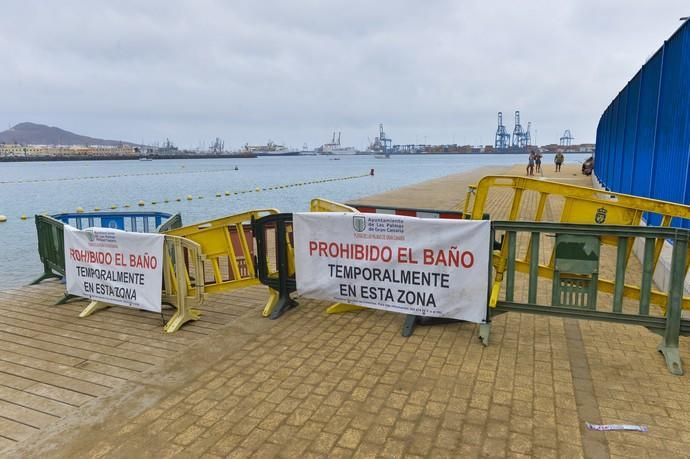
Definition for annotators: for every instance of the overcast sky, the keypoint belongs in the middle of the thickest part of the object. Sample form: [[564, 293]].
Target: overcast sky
[[293, 71]]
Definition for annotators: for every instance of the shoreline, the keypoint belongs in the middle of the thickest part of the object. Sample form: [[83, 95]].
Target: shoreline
[[26, 159]]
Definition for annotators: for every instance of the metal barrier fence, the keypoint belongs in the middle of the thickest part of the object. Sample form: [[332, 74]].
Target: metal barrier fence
[[228, 248], [273, 237], [570, 285], [574, 268], [643, 140], [182, 264], [579, 205], [49, 230], [407, 211], [137, 222]]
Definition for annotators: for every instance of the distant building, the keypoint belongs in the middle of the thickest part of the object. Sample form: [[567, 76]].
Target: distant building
[[64, 151]]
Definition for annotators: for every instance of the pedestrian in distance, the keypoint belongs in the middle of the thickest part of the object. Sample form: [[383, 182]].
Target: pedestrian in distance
[[537, 161], [530, 163], [558, 159]]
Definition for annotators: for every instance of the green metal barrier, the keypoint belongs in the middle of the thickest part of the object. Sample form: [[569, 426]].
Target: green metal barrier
[[49, 229], [51, 247], [577, 252]]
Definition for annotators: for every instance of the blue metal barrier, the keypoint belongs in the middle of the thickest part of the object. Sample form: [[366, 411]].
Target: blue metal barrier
[[50, 232], [137, 222], [643, 138]]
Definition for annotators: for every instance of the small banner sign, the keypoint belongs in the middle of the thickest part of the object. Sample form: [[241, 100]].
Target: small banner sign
[[114, 266], [424, 267]]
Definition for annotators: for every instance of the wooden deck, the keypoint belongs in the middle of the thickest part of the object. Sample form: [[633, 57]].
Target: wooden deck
[[53, 362]]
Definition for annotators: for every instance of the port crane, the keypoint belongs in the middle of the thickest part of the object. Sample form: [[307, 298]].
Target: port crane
[[502, 136]]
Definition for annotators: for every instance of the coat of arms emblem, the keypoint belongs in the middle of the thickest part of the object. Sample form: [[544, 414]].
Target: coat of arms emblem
[[359, 223], [600, 216]]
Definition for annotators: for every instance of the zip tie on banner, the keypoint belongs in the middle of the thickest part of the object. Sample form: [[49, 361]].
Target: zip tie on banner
[[609, 427]]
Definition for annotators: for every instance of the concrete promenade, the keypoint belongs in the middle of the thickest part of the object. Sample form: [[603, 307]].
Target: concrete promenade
[[316, 385]]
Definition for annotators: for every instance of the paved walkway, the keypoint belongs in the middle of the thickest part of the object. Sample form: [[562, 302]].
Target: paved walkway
[[318, 385]]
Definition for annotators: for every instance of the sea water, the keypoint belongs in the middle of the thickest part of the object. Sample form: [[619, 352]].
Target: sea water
[[56, 187]]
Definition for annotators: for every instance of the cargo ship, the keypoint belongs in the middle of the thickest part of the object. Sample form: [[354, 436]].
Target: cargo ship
[[270, 149], [334, 148]]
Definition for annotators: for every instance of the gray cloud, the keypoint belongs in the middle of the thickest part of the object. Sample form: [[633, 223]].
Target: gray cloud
[[293, 71]]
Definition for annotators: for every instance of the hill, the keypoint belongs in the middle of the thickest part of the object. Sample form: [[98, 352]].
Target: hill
[[40, 134]]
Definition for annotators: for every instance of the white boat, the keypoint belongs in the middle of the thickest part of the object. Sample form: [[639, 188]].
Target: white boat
[[334, 148], [144, 158], [270, 149]]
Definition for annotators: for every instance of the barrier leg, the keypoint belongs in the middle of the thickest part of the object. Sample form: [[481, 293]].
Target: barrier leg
[[44, 276], [66, 298], [669, 342], [271, 302], [484, 332], [93, 307], [181, 317], [284, 304], [408, 325], [339, 308]]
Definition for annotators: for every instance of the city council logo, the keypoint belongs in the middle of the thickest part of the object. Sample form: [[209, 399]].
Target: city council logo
[[90, 236], [600, 216], [359, 223]]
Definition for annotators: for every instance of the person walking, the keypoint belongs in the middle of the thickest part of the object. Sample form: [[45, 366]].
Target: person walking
[[530, 163], [558, 159], [537, 161]]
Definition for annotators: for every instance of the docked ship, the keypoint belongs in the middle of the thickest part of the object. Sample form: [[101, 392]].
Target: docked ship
[[270, 149], [382, 145], [334, 148]]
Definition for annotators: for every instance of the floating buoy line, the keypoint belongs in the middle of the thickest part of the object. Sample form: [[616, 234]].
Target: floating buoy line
[[96, 177], [189, 197]]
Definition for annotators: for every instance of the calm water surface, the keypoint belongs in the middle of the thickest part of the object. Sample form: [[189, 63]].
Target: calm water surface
[[55, 187]]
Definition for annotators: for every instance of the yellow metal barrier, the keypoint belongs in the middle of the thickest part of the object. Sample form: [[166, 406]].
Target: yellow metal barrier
[[185, 264], [228, 248], [182, 263], [324, 205], [576, 204]]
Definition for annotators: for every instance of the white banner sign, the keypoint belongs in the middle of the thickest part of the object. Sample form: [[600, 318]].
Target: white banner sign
[[115, 266], [425, 267]]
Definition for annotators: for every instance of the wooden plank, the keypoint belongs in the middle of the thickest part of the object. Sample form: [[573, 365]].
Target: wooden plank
[[59, 394], [35, 402], [14, 382], [149, 358], [53, 379], [39, 353], [72, 372], [6, 443], [30, 386], [81, 354], [109, 370], [149, 351], [15, 430], [25, 415], [49, 327]]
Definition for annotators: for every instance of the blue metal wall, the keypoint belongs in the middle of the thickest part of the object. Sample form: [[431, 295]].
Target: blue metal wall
[[643, 137]]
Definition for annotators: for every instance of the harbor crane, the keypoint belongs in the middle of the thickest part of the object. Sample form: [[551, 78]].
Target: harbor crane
[[386, 143], [567, 139], [502, 137], [518, 133], [528, 136]]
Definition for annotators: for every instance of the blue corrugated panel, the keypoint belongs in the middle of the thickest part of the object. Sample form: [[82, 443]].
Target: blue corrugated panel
[[621, 156], [684, 133], [646, 125], [630, 135], [643, 137]]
